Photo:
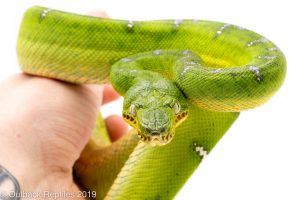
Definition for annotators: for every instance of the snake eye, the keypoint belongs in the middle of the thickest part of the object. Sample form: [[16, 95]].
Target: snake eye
[[176, 108], [132, 110]]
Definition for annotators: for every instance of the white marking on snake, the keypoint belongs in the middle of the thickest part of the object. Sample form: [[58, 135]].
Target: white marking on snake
[[266, 57], [261, 40], [177, 22], [273, 49], [222, 28], [125, 59], [217, 70], [157, 52], [45, 12], [256, 72], [200, 151], [130, 24], [185, 52], [191, 63], [185, 70]]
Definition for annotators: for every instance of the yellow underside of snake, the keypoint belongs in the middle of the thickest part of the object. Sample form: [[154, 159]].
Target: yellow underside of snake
[[184, 83]]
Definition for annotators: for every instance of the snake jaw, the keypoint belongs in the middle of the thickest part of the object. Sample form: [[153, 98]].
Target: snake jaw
[[156, 140], [159, 139], [129, 119], [181, 117]]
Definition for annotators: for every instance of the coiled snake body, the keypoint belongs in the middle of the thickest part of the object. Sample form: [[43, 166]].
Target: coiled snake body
[[190, 74]]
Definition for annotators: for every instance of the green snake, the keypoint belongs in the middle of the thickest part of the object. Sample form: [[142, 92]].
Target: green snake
[[184, 83]]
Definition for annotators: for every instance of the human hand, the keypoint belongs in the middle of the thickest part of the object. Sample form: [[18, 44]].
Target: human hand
[[45, 125]]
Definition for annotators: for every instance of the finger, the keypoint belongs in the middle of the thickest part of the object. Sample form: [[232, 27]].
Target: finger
[[109, 94], [116, 127], [103, 93], [97, 90]]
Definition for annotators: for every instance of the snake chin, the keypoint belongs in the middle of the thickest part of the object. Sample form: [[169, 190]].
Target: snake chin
[[156, 140]]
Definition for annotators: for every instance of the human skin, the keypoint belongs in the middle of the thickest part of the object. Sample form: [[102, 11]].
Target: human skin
[[44, 126]]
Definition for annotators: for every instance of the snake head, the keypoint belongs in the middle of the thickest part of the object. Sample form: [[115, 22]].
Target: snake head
[[155, 117]]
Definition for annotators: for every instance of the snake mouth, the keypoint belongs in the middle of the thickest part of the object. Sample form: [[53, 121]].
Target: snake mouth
[[156, 140]]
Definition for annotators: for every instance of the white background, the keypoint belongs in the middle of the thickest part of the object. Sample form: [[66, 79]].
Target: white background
[[258, 158]]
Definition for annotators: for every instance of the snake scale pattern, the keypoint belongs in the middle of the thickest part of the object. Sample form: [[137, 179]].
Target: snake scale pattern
[[184, 83]]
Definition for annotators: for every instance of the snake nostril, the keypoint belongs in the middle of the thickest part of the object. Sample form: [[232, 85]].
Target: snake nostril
[[163, 129]]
